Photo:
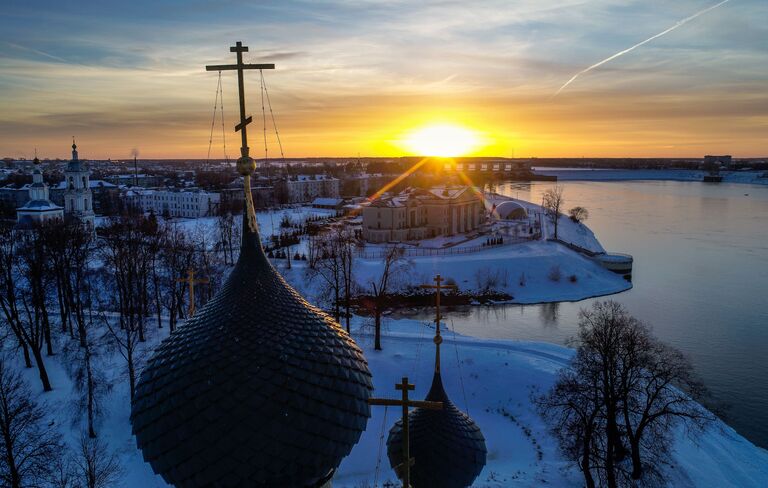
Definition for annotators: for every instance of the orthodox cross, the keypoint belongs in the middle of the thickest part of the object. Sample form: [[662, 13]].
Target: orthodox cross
[[192, 282], [245, 164], [405, 403], [438, 287]]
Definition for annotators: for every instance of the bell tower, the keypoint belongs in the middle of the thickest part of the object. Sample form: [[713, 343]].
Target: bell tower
[[78, 200]]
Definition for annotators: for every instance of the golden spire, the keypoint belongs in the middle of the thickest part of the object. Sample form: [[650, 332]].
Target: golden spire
[[438, 287]]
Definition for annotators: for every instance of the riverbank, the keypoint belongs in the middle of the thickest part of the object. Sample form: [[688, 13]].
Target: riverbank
[[493, 381], [531, 272]]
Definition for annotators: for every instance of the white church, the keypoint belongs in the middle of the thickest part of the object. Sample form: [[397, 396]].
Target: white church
[[78, 199], [39, 209]]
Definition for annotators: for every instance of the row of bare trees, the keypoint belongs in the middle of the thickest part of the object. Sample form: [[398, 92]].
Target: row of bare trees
[[332, 259], [615, 411], [65, 292], [32, 453]]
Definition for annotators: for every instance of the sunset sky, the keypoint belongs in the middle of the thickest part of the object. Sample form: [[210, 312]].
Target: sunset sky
[[360, 76]]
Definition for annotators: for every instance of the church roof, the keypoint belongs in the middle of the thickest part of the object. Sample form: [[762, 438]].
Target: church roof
[[40, 205], [447, 446], [258, 389]]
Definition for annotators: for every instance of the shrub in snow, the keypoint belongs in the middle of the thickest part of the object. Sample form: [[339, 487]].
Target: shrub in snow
[[578, 214], [554, 273], [522, 279], [573, 278]]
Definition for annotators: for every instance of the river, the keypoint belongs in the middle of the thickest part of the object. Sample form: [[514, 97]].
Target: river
[[700, 280]]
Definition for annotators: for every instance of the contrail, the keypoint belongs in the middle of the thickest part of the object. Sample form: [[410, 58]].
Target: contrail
[[38, 52], [629, 49]]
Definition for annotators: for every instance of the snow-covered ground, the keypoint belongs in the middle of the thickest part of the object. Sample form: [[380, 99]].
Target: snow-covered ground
[[603, 174], [492, 380], [521, 270]]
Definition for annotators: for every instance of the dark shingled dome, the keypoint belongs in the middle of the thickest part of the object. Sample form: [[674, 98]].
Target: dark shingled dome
[[446, 445], [259, 389]]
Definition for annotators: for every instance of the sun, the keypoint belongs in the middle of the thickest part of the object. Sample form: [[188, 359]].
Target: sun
[[441, 140]]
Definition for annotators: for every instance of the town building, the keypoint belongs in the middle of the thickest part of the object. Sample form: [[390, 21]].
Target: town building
[[12, 198], [78, 199], [417, 214], [105, 195], [305, 188], [328, 203], [142, 180], [173, 203], [362, 185], [513, 168], [718, 161], [39, 209]]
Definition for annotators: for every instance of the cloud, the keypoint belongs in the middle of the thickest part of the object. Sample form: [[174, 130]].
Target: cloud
[[350, 72]]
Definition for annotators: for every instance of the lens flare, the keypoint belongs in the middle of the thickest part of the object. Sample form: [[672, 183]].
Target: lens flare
[[441, 140]]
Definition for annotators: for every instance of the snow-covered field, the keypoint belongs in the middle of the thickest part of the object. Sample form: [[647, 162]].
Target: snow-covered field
[[492, 380], [520, 270]]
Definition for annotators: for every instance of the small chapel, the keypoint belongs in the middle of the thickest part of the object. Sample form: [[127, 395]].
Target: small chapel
[[39, 209]]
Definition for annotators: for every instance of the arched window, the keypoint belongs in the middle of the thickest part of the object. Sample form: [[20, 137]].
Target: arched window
[[85, 204], [85, 184], [71, 183]]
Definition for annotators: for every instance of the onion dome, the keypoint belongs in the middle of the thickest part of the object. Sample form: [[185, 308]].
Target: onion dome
[[74, 163], [446, 445], [258, 389]]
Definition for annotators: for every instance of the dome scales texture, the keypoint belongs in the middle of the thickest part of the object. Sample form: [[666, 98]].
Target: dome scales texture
[[446, 445], [258, 389]]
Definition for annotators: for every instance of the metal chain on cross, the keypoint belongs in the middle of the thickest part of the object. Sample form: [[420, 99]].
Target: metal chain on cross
[[264, 119], [381, 448], [223, 132], [272, 115], [213, 120], [218, 104], [458, 367]]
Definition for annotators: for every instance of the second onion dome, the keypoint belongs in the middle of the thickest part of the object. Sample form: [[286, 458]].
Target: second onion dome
[[446, 445]]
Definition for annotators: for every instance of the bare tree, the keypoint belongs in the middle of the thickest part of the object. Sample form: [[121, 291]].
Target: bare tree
[[227, 228], [393, 258], [552, 200], [94, 465], [62, 473], [176, 256], [69, 248], [328, 266], [29, 444], [623, 386], [347, 256], [90, 384], [572, 409], [9, 289], [127, 259], [37, 271], [34, 324], [658, 389]]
